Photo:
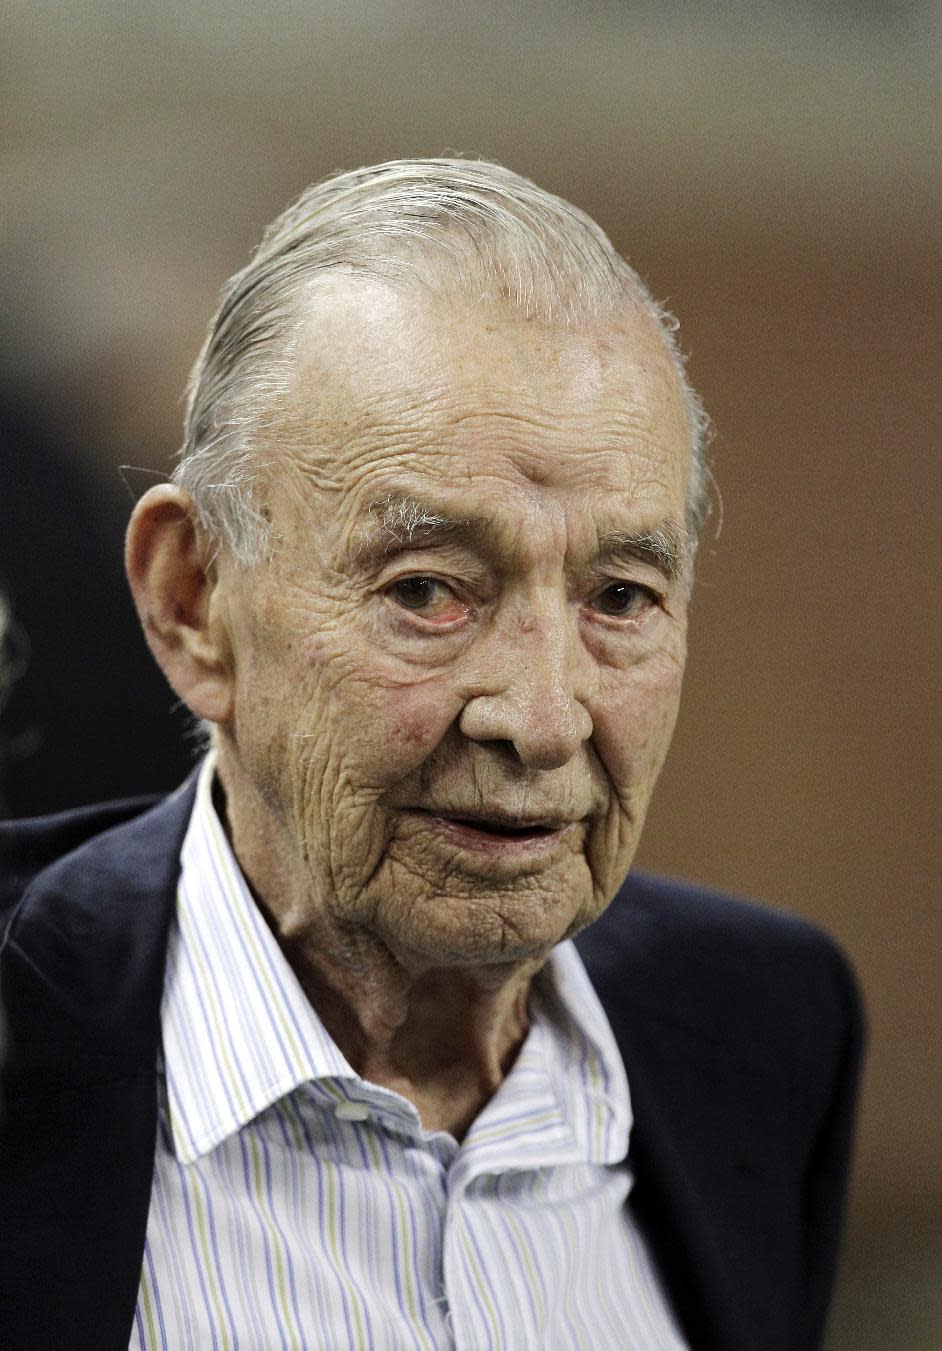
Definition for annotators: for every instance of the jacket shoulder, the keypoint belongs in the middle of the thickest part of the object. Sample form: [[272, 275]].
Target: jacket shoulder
[[30, 844], [84, 940], [743, 975]]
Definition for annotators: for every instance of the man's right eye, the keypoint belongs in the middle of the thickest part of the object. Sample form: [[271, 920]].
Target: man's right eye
[[415, 593], [429, 597]]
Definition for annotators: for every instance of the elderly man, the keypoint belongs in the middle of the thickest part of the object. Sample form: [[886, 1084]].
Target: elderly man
[[304, 1056]]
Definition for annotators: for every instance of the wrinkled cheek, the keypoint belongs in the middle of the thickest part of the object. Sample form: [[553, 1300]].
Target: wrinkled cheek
[[632, 735], [663, 722], [405, 724], [638, 736]]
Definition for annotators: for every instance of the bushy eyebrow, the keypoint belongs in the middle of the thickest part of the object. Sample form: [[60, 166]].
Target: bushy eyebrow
[[398, 521], [665, 547]]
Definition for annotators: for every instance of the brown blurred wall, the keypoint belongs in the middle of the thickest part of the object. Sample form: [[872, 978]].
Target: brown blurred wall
[[805, 767]]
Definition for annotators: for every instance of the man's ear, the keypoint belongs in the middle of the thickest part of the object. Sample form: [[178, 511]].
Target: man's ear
[[176, 590]]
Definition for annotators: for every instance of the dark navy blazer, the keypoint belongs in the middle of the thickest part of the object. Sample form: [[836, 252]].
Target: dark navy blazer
[[740, 1030]]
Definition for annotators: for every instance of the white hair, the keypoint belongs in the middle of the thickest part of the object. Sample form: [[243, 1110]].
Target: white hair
[[468, 229]]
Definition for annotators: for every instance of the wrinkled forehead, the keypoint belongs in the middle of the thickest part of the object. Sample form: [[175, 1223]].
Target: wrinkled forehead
[[387, 380]]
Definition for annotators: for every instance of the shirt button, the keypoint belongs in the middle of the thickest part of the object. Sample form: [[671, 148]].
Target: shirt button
[[352, 1111]]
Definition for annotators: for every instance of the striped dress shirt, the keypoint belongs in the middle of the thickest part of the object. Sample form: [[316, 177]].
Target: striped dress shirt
[[298, 1206]]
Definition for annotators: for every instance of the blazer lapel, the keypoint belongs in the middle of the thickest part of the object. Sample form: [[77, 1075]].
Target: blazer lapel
[[676, 1211], [82, 978], [706, 1151]]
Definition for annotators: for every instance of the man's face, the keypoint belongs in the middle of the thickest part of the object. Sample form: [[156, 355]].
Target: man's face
[[457, 679]]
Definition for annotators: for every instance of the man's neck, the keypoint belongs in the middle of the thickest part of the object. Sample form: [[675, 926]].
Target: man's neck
[[439, 1039]]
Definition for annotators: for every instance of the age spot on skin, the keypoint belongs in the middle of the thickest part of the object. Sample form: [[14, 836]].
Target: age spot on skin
[[420, 733]]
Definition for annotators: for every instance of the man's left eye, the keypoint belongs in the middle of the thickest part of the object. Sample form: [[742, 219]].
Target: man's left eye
[[624, 600]]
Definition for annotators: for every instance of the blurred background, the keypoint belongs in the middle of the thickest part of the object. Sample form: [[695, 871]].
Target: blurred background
[[775, 172]]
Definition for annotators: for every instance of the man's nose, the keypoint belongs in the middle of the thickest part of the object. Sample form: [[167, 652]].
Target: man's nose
[[535, 692]]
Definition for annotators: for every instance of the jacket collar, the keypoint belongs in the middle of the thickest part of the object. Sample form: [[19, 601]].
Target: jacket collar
[[83, 958]]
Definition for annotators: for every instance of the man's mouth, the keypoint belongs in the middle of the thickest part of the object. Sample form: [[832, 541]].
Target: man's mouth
[[512, 830], [496, 832]]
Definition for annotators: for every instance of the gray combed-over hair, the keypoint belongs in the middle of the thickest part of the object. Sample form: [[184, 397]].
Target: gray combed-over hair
[[458, 227]]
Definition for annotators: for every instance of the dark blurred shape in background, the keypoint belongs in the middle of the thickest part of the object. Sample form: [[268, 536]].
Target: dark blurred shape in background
[[87, 715], [775, 172]]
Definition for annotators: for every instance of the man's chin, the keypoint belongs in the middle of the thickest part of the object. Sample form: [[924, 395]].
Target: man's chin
[[510, 927]]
